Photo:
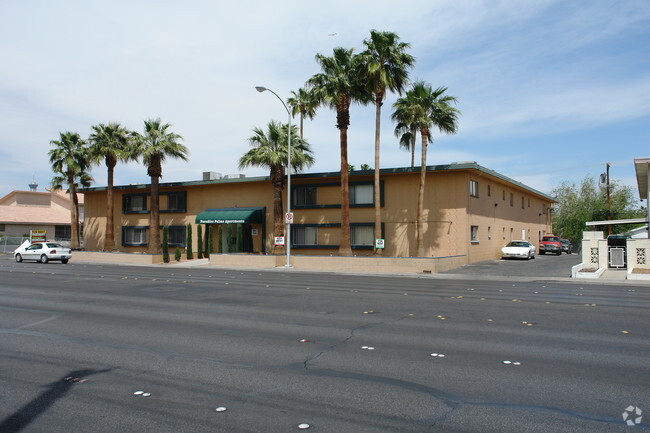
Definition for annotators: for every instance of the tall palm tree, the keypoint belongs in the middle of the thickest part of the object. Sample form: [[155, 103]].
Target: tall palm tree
[[304, 103], [386, 64], [156, 145], [269, 149], [429, 109], [110, 143], [339, 84], [69, 160]]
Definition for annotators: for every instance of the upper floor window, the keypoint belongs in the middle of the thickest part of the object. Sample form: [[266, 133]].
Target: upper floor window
[[522, 203], [473, 188], [489, 191], [512, 199], [361, 194], [304, 196], [504, 194], [133, 203], [176, 201]]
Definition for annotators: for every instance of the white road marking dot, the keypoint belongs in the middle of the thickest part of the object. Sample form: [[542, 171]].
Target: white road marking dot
[[303, 426], [138, 393], [364, 347], [220, 409], [507, 362], [434, 354], [371, 348], [441, 356], [146, 394], [516, 363]]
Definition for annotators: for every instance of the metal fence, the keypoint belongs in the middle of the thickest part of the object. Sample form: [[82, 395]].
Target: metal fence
[[9, 243]]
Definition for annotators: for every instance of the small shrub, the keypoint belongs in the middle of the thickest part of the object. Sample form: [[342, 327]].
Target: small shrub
[[188, 247], [165, 244], [199, 242], [177, 254], [208, 247], [220, 239], [240, 238]]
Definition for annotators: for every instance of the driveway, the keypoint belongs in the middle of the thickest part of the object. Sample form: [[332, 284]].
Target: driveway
[[541, 266]]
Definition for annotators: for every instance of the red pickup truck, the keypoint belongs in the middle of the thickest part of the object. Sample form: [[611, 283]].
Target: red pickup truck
[[550, 244]]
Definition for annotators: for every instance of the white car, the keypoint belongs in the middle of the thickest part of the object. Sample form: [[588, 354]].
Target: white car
[[519, 250], [42, 252]]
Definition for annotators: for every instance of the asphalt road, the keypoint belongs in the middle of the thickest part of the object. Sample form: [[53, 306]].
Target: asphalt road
[[198, 339]]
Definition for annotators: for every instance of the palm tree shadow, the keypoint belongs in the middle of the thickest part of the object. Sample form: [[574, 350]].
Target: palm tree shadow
[[53, 392]]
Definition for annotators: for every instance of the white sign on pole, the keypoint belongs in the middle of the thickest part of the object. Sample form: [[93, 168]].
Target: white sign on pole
[[288, 218], [279, 240], [379, 244]]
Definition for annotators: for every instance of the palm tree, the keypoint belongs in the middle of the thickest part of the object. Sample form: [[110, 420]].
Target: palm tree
[[111, 143], [428, 109], [304, 103], [69, 160], [155, 146], [269, 149], [339, 84], [386, 66]]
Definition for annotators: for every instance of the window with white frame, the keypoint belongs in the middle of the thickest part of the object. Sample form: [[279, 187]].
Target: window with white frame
[[362, 194], [474, 233], [473, 188], [362, 235], [304, 235], [134, 236]]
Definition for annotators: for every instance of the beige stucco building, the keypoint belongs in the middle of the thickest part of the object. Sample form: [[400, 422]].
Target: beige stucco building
[[470, 212]]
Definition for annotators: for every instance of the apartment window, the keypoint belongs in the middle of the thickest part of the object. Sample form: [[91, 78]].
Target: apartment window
[[362, 235], [134, 203], [304, 196], [511, 232], [304, 235], [62, 233], [474, 233], [528, 202], [473, 188], [522, 203], [504, 195], [512, 199], [2, 227], [503, 233], [176, 236], [361, 194], [489, 232], [134, 236], [489, 191], [176, 201]]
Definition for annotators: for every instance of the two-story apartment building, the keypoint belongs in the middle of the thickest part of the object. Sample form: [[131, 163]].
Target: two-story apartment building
[[469, 211]]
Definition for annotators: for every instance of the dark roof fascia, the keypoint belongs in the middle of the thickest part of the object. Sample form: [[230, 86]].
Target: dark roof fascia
[[397, 170]]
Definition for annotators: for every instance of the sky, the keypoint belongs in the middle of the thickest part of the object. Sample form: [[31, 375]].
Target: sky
[[549, 90]]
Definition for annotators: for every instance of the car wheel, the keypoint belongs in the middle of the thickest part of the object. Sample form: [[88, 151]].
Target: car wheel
[[44, 258], [541, 253], [19, 258], [559, 253], [64, 261]]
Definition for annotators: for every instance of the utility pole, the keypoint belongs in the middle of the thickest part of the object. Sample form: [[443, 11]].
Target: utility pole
[[609, 204]]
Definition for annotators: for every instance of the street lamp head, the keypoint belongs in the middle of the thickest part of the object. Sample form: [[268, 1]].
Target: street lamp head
[[260, 88]]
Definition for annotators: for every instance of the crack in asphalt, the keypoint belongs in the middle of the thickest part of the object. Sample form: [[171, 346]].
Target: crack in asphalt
[[334, 346]]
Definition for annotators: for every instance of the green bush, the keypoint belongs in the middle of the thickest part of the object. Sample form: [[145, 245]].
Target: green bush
[[177, 254], [188, 245], [199, 241], [240, 238], [208, 247], [165, 244], [229, 237], [220, 239]]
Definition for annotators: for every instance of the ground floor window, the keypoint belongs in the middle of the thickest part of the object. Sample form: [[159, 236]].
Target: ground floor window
[[304, 235], [134, 236], [474, 233], [62, 233], [176, 236], [362, 235]]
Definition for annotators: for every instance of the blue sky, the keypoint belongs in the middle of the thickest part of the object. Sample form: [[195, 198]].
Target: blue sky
[[549, 90]]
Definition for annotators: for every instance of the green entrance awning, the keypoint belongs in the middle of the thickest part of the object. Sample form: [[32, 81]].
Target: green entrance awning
[[230, 216]]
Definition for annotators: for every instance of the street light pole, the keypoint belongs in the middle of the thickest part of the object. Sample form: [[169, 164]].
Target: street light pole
[[288, 226]]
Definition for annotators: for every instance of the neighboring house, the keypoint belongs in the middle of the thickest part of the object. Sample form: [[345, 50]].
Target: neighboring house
[[639, 232], [23, 211], [470, 211]]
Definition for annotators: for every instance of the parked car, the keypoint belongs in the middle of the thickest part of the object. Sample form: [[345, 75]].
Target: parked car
[[42, 252], [550, 244], [519, 250], [566, 246]]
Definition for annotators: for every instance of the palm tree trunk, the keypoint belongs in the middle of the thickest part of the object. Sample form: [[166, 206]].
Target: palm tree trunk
[[419, 228], [109, 242], [377, 232], [154, 214], [302, 119], [277, 179], [413, 133], [345, 248], [74, 215]]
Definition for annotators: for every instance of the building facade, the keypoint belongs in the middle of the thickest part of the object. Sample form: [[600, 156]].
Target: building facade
[[469, 211]]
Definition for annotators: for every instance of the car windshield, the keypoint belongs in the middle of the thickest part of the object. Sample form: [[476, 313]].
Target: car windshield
[[550, 239], [565, 242], [517, 244], [53, 245]]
